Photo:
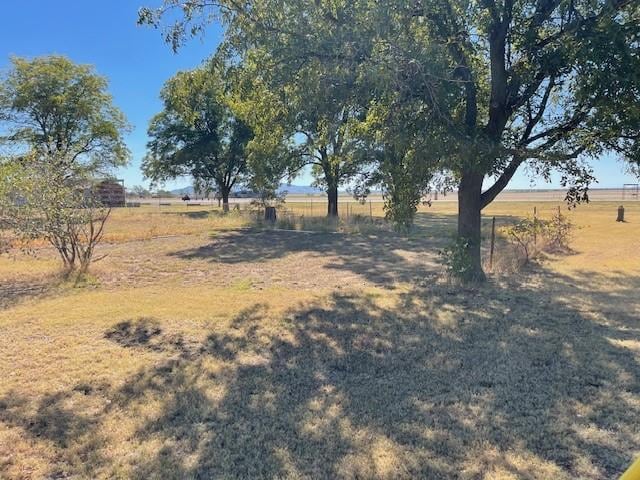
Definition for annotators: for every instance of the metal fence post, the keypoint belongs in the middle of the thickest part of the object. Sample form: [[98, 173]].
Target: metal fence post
[[493, 242]]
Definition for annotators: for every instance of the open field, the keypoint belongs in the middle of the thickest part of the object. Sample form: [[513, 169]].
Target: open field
[[537, 195], [206, 346]]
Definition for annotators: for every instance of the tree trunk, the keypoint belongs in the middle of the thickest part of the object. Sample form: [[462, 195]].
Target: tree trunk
[[469, 222], [332, 195], [225, 200]]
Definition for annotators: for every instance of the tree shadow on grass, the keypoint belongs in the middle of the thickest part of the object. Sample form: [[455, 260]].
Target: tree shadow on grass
[[536, 380], [55, 419], [50, 420], [383, 257], [196, 214], [15, 291], [147, 333], [442, 383]]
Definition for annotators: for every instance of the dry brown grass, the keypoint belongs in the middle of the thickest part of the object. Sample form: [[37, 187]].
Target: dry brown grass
[[225, 353], [150, 222]]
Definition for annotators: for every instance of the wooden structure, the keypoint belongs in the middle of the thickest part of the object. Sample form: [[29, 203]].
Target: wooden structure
[[110, 193], [631, 190]]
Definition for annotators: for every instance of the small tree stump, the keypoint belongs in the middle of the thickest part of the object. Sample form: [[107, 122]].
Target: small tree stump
[[270, 214], [620, 214]]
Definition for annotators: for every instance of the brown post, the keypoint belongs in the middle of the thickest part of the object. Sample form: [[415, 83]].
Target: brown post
[[535, 225], [620, 214], [493, 242], [370, 210]]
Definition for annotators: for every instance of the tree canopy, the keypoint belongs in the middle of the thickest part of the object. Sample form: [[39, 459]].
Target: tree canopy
[[303, 114], [497, 83], [63, 111], [197, 134]]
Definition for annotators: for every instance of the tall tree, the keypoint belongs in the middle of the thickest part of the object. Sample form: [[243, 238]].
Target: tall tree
[[308, 109], [320, 118], [63, 111], [548, 83], [197, 134]]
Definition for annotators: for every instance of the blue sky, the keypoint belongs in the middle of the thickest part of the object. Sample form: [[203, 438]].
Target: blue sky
[[137, 62]]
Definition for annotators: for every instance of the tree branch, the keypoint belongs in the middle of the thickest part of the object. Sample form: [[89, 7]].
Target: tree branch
[[503, 180]]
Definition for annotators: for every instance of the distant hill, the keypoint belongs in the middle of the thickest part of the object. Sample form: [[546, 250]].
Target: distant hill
[[182, 191], [290, 189], [299, 189]]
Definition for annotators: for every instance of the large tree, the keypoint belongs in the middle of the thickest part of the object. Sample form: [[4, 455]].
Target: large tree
[[547, 83], [308, 106], [197, 134], [403, 162], [64, 112], [322, 114], [319, 119], [316, 104]]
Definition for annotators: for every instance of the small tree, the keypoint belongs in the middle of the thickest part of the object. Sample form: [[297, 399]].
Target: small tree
[[139, 191], [36, 202], [559, 232]]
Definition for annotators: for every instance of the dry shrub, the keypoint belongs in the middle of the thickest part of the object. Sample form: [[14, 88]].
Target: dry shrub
[[38, 202], [524, 236], [558, 234], [508, 259], [519, 244]]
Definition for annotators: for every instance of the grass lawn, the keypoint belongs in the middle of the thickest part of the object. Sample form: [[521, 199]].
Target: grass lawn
[[204, 347]]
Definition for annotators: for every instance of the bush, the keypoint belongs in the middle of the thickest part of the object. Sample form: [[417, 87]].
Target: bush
[[456, 259], [559, 233], [524, 235], [533, 235]]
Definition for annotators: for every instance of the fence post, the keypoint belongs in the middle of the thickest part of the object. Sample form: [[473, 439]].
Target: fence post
[[370, 210], [535, 225], [493, 242]]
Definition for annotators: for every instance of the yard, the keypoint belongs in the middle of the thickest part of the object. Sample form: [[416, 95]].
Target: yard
[[204, 346]]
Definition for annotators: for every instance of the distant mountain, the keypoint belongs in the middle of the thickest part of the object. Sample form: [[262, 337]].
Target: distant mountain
[[290, 189], [299, 189], [182, 191]]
